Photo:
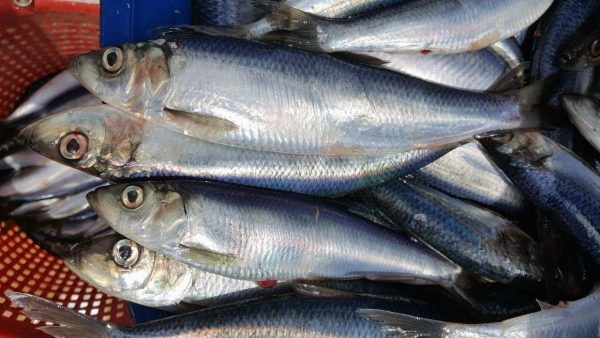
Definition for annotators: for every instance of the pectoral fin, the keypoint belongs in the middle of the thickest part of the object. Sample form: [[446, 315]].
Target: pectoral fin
[[206, 257], [198, 124]]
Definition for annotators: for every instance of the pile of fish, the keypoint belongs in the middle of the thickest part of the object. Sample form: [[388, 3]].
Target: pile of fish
[[365, 168]]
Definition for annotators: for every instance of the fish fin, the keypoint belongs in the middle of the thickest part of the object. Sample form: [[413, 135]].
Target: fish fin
[[197, 123], [241, 31], [531, 100], [513, 79], [401, 325], [310, 290], [293, 27], [73, 324], [543, 305], [360, 58], [207, 256]]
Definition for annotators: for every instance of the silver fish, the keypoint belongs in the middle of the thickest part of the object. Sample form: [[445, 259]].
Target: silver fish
[[258, 235], [406, 27], [57, 86], [509, 51], [23, 158], [339, 8], [53, 208], [50, 180], [584, 112], [473, 237], [555, 180], [288, 317], [106, 142], [579, 318], [470, 70], [127, 270], [265, 97], [467, 172]]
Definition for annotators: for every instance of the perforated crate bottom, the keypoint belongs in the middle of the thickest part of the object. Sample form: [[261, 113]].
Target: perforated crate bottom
[[25, 267]]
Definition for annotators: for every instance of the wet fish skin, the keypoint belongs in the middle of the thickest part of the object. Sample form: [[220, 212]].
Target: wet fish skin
[[470, 70], [555, 180], [49, 181], [329, 242], [226, 12], [278, 88], [579, 318], [583, 51], [288, 317], [467, 172], [557, 27], [410, 27], [123, 147], [509, 51], [584, 112], [22, 158], [340, 8], [154, 279], [475, 238]]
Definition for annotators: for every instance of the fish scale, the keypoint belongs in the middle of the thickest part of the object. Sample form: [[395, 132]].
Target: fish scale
[[249, 234], [275, 98]]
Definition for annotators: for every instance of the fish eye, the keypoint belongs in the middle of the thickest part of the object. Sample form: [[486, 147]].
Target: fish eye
[[112, 59], [595, 48], [132, 196], [126, 253], [73, 146]]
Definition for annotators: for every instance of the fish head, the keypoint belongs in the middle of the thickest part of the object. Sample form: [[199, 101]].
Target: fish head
[[525, 150], [123, 268], [112, 263], [148, 212], [94, 139], [583, 52], [127, 76]]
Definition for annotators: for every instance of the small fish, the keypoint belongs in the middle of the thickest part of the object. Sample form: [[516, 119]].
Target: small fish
[[53, 208], [580, 318], [22, 158], [127, 270], [116, 146], [475, 238], [584, 112], [42, 98], [286, 317], [48, 181], [351, 109], [257, 235], [583, 51], [557, 182], [467, 172], [407, 27]]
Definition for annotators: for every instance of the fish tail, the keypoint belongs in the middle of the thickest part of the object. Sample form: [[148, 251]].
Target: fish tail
[[462, 289], [72, 324], [534, 112], [404, 325], [293, 27]]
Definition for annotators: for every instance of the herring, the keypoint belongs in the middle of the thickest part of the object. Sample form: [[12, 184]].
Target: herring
[[265, 97], [584, 112], [253, 234], [106, 142]]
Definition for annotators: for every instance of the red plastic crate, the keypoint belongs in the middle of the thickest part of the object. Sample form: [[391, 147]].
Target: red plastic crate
[[36, 41]]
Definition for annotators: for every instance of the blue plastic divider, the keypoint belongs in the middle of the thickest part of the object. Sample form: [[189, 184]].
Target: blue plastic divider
[[123, 21]]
